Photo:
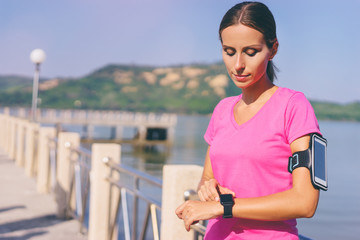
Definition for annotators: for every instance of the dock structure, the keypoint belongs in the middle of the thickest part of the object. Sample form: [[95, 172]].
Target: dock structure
[[148, 128], [92, 187]]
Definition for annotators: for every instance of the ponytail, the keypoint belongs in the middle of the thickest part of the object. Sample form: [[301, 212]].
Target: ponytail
[[271, 71]]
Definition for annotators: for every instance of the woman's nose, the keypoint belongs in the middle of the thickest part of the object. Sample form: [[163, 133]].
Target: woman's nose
[[239, 64]]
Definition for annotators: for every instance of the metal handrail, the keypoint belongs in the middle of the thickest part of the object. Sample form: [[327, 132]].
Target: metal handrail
[[152, 204], [52, 143], [135, 173], [79, 183], [135, 192]]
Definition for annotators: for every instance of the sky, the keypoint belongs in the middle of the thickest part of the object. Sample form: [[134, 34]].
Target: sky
[[319, 40]]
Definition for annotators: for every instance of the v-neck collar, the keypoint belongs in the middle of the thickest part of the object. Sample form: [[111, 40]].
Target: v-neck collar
[[236, 125]]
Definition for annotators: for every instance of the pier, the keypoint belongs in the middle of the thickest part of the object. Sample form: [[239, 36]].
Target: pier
[[147, 129], [85, 189]]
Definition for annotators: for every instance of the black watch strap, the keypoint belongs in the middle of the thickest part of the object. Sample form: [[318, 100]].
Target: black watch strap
[[300, 159], [228, 210], [227, 201]]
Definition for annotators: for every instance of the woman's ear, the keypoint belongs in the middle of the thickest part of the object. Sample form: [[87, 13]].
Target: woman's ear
[[274, 49]]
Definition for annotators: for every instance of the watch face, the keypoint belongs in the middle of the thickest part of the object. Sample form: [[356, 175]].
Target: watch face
[[226, 198]]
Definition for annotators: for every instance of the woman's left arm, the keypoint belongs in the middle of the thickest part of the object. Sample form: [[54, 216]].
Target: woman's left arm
[[298, 202]]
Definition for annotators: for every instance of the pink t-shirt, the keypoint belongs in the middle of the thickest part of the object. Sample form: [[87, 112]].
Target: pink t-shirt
[[251, 159]]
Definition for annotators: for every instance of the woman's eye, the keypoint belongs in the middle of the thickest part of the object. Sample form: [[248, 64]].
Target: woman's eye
[[251, 52], [229, 52]]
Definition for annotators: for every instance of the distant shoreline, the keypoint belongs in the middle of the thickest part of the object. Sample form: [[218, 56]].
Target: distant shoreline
[[185, 89]]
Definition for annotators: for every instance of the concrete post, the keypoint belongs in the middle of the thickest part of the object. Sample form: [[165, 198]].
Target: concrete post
[[176, 180], [12, 138], [63, 170], [100, 212], [30, 151], [142, 134], [116, 132], [8, 135], [2, 122], [43, 166], [3, 130], [119, 132], [88, 130], [7, 111], [20, 149]]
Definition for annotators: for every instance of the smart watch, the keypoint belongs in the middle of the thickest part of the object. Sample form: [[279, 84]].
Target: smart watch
[[227, 201]]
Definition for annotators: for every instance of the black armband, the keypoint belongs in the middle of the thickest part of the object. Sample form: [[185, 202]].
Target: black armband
[[300, 159]]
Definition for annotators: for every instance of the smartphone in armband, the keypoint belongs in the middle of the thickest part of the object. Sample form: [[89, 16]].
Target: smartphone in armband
[[315, 159], [319, 163]]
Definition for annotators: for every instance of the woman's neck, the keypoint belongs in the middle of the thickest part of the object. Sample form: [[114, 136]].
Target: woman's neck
[[253, 93]]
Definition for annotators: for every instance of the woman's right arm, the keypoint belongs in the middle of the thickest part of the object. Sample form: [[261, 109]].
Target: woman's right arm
[[209, 188], [207, 171], [208, 191]]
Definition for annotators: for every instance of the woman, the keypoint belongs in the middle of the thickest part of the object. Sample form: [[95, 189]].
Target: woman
[[250, 139]]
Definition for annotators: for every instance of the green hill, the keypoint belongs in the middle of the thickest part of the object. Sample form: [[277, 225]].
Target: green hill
[[188, 89], [334, 111]]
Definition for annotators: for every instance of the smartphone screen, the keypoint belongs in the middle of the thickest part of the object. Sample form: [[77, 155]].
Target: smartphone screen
[[319, 168]]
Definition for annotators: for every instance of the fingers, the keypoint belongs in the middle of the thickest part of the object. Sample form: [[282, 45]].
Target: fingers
[[183, 213], [208, 191], [212, 188], [193, 211], [201, 196], [179, 210], [224, 190], [188, 221]]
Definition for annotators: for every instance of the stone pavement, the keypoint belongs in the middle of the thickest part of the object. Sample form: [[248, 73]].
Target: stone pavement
[[25, 213]]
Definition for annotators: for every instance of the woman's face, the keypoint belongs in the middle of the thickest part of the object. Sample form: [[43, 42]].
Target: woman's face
[[245, 55]]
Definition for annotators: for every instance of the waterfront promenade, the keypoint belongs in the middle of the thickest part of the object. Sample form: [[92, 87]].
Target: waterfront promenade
[[25, 213], [46, 175]]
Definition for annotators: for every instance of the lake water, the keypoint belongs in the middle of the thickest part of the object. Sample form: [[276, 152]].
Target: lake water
[[338, 213]]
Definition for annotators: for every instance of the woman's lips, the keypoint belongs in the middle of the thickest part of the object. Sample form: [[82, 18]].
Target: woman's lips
[[242, 77]]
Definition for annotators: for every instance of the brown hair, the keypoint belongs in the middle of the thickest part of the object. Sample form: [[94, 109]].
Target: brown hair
[[257, 16]]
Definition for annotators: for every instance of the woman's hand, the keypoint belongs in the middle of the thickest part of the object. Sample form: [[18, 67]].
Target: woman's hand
[[210, 191], [194, 211]]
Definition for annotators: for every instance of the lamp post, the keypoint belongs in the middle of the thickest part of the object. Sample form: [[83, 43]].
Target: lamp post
[[37, 56]]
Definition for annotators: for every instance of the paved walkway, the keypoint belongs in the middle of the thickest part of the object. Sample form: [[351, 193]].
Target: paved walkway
[[26, 214]]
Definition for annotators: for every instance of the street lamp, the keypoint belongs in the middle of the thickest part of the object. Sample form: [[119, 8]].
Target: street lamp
[[37, 56]]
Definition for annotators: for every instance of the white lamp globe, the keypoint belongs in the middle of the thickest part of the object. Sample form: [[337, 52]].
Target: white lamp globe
[[37, 56]]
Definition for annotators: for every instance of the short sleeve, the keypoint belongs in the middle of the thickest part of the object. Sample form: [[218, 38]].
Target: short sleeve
[[300, 118], [210, 131], [221, 108]]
